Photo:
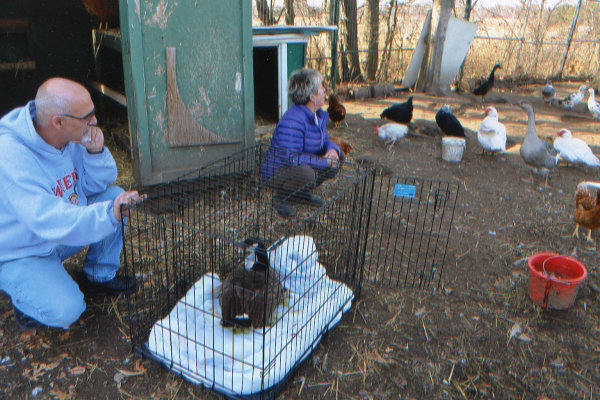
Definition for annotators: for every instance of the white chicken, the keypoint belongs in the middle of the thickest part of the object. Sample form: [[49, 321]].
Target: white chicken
[[491, 133], [574, 150], [573, 99], [592, 105], [391, 132]]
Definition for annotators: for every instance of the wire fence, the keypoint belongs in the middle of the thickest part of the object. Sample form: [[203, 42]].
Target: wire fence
[[529, 42]]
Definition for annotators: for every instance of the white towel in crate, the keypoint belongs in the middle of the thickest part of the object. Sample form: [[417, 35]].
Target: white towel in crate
[[191, 340]]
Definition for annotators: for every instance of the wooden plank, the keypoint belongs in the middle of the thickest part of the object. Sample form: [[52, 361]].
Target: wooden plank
[[110, 93]]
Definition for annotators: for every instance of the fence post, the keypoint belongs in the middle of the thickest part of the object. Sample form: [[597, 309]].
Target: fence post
[[571, 31], [334, 20]]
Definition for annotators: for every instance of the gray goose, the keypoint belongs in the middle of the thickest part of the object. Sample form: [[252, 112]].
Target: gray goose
[[539, 155]]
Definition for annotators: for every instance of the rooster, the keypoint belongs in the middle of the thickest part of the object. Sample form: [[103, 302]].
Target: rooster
[[336, 110], [391, 132], [587, 208]]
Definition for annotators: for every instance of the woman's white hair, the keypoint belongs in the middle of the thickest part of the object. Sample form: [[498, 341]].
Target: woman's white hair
[[302, 84]]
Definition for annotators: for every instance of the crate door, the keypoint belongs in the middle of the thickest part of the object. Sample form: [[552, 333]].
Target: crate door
[[409, 229], [188, 79]]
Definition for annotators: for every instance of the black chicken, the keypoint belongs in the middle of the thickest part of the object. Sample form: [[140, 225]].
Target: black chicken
[[448, 123], [400, 112], [484, 87], [254, 291], [336, 110]]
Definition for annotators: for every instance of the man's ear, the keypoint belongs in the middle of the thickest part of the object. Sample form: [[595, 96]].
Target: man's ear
[[57, 121]]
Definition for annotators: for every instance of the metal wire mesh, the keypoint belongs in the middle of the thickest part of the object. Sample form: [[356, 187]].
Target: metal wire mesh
[[186, 238], [409, 231]]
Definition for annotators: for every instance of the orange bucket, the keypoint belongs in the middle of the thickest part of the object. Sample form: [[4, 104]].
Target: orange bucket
[[554, 280]]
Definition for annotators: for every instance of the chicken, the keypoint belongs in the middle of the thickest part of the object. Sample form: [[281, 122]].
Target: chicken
[[574, 150], [391, 132], [491, 133], [400, 112], [573, 99], [548, 92], [484, 87], [539, 155], [344, 145], [448, 123], [336, 110], [592, 105], [104, 10], [587, 208], [253, 289]]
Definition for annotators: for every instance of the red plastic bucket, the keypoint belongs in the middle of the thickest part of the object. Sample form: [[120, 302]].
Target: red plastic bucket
[[554, 280]]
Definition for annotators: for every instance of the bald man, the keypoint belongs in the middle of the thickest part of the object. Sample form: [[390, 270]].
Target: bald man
[[57, 198]]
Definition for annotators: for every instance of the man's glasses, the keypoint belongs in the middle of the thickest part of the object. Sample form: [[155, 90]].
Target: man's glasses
[[86, 118]]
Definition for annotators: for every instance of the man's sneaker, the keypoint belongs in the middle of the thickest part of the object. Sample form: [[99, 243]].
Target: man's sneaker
[[310, 199], [117, 285], [25, 322], [283, 207]]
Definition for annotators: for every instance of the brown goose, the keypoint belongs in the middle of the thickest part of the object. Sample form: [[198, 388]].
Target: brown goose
[[539, 155], [255, 291]]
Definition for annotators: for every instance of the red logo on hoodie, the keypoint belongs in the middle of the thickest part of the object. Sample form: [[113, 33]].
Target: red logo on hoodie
[[65, 184]]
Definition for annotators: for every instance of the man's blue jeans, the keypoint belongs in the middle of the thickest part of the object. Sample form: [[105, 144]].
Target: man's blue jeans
[[40, 287]]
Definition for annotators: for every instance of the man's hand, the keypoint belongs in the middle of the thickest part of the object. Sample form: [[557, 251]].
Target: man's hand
[[130, 199], [95, 139], [332, 157]]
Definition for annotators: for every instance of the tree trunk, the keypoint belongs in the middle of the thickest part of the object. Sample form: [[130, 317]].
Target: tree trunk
[[350, 9], [290, 14], [569, 39], [265, 13], [373, 38], [429, 75], [392, 22]]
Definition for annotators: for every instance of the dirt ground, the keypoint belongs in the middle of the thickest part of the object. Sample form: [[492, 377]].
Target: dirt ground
[[479, 336]]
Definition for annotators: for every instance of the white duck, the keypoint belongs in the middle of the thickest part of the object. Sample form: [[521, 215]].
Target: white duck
[[548, 92], [491, 133], [574, 150], [391, 132], [592, 105], [539, 155], [573, 99]]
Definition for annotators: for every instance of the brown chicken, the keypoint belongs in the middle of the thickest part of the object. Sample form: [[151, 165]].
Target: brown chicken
[[587, 208], [336, 110], [345, 146]]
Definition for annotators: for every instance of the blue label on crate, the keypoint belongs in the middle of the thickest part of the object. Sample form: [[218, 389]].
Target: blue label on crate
[[403, 190]]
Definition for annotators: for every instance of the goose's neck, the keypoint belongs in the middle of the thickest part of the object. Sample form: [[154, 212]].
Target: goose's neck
[[530, 122]]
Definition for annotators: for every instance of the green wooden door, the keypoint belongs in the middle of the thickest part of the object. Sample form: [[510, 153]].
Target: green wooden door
[[188, 80]]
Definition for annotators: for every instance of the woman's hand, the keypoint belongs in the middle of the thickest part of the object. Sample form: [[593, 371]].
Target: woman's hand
[[332, 158]]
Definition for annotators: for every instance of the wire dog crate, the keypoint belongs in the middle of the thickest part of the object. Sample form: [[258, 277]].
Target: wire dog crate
[[183, 245]]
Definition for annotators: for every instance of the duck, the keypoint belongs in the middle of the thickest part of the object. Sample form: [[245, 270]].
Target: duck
[[491, 133], [391, 132], [484, 87], [548, 92], [569, 102], [539, 155], [593, 106], [253, 289], [574, 150], [448, 122], [401, 113]]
